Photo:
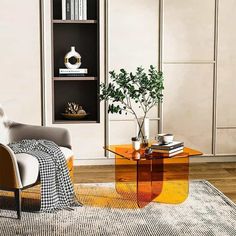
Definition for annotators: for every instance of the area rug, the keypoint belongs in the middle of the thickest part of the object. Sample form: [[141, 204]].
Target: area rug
[[206, 212]]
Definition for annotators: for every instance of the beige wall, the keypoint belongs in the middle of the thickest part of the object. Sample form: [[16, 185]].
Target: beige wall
[[20, 60], [189, 63]]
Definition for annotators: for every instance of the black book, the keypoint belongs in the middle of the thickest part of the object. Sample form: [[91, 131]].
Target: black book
[[68, 9]]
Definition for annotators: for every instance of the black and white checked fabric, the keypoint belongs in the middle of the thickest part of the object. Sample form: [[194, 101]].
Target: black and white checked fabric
[[57, 191]]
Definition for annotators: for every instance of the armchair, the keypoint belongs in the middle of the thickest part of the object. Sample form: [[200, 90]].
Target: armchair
[[21, 171]]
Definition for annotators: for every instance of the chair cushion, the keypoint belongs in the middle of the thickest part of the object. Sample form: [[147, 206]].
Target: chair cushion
[[29, 166]]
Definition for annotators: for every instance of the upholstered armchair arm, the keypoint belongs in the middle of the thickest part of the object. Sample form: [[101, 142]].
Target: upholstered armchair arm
[[9, 172], [19, 132]]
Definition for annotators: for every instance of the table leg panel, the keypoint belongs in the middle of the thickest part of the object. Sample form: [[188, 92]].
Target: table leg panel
[[175, 188]]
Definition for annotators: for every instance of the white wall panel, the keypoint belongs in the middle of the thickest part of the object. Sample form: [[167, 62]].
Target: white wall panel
[[188, 30], [20, 60], [226, 115], [188, 104], [133, 33], [226, 141]]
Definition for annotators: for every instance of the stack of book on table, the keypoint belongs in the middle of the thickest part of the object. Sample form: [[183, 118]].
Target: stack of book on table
[[74, 9], [63, 72], [168, 150]]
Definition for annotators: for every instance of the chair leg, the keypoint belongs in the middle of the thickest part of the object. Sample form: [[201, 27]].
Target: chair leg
[[18, 202]]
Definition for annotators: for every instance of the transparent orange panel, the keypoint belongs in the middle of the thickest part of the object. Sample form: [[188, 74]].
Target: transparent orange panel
[[175, 188], [126, 177], [157, 176], [144, 182], [138, 177]]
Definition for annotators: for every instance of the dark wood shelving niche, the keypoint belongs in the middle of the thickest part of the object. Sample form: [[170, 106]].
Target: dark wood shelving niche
[[84, 35]]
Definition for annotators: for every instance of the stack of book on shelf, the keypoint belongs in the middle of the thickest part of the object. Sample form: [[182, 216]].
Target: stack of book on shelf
[[74, 9], [72, 72], [168, 150]]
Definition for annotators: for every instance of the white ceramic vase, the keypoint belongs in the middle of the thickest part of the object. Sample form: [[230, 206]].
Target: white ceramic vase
[[72, 53]]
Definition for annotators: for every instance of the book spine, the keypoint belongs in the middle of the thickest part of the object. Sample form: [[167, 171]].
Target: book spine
[[68, 10], [70, 73], [63, 9], [80, 10], [171, 154], [76, 9], [62, 70], [84, 9], [72, 9]]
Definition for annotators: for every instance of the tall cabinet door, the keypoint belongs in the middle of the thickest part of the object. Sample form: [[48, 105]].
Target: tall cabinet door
[[20, 60], [133, 41], [226, 100], [188, 63]]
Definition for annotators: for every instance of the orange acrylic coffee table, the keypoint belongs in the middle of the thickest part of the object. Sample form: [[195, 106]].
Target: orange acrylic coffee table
[[146, 178]]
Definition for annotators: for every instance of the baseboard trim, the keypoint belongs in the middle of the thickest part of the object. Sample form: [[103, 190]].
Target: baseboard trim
[[212, 159]]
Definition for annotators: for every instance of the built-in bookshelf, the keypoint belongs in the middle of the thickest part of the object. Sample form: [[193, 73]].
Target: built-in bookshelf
[[84, 35]]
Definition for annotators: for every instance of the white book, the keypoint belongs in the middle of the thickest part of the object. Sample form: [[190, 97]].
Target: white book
[[84, 10], [175, 153], [80, 10], [170, 151], [73, 71], [72, 9], [63, 9], [76, 9]]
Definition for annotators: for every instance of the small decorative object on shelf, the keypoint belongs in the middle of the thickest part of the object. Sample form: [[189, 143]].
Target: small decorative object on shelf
[[72, 70], [126, 89], [74, 111], [136, 143], [72, 54]]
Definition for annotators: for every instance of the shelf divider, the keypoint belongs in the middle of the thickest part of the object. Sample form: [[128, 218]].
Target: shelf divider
[[75, 21], [75, 122], [82, 78]]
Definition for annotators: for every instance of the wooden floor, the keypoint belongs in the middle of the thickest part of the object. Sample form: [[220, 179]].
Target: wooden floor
[[221, 175]]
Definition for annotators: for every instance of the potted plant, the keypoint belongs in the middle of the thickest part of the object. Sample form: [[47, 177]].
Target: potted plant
[[140, 87]]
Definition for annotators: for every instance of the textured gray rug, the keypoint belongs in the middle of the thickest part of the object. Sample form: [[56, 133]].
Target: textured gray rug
[[206, 212]]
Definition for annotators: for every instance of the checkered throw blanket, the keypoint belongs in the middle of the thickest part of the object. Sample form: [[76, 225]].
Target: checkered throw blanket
[[56, 188]]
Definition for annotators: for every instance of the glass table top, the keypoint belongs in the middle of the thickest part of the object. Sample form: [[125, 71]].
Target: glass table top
[[126, 151]]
